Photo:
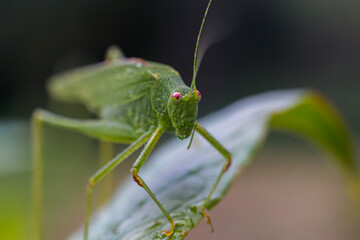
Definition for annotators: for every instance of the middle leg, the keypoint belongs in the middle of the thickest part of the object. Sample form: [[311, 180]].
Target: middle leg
[[225, 167]]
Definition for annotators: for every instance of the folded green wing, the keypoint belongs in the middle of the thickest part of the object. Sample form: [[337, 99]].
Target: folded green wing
[[108, 83]]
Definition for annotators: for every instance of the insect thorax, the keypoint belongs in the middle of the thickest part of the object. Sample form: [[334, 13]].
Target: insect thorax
[[177, 117]]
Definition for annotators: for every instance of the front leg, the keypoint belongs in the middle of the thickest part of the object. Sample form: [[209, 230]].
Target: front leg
[[102, 172], [136, 168], [226, 166]]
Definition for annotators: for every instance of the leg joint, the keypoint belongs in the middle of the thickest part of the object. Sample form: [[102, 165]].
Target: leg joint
[[37, 114], [136, 178], [228, 163], [91, 182]]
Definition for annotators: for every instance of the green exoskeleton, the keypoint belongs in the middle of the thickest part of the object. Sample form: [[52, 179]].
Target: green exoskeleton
[[136, 102]]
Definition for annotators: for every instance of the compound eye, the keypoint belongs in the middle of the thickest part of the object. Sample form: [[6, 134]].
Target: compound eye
[[176, 97], [198, 95]]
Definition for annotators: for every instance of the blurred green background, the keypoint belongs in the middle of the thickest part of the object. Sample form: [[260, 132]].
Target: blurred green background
[[290, 192]]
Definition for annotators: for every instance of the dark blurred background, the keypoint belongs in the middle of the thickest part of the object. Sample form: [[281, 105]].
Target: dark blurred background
[[259, 45], [255, 46]]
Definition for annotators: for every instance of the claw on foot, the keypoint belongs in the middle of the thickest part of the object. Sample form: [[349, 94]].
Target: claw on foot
[[170, 231], [208, 220], [167, 232]]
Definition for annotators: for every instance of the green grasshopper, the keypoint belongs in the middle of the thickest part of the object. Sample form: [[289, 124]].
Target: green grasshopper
[[136, 102]]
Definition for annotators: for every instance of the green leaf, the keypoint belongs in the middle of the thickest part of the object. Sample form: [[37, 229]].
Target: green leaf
[[316, 119], [182, 179]]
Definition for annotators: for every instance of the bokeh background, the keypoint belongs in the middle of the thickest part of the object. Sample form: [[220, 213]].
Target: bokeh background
[[291, 191]]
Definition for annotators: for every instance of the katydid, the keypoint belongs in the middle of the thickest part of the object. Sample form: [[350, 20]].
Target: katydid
[[136, 102]]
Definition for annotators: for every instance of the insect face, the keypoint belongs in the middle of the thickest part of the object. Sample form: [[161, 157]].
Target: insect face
[[182, 111]]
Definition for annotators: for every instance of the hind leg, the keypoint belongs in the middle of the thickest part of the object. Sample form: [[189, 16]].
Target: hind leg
[[99, 129]]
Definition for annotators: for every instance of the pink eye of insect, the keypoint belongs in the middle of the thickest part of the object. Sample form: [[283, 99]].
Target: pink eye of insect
[[176, 97], [198, 95]]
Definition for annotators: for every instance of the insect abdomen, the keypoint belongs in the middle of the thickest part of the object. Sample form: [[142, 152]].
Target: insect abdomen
[[137, 114]]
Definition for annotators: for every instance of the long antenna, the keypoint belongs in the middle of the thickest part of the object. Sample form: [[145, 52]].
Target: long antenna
[[195, 68]]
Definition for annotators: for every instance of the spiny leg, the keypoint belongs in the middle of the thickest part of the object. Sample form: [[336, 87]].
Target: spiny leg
[[102, 172], [136, 168], [110, 131], [226, 166]]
